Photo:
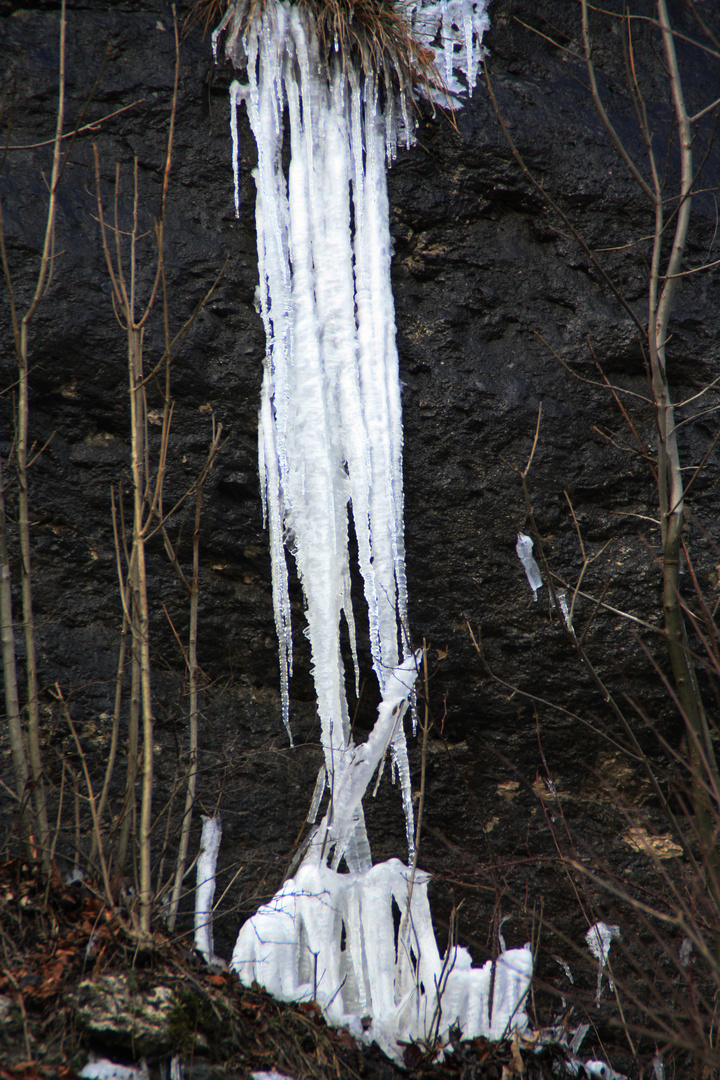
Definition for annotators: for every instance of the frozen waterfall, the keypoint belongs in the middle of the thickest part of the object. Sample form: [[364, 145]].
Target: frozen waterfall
[[330, 433], [330, 444]]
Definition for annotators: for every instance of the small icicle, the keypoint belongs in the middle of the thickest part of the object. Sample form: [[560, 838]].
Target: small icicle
[[237, 92], [524, 549], [219, 30], [447, 44], [358, 856], [402, 766], [409, 135], [469, 57]]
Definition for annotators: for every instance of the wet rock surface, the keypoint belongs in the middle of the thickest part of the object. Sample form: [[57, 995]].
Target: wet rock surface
[[499, 310]]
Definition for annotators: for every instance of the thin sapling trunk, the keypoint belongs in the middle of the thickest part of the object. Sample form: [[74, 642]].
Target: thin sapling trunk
[[12, 701]]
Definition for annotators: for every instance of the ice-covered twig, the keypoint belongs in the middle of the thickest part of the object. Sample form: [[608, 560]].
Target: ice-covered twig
[[563, 605], [599, 938], [205, 885], [358, 765], [524, 549]]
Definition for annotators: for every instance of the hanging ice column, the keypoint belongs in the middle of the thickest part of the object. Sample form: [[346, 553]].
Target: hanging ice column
[[331, 439], [330, 432], [330, 419]]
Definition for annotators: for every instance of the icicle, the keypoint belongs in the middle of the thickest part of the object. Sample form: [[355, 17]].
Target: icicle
[[205, 887], [469, 64], [220, 30], [402, 768], [524, 549], [270, 483], [330, 430], [357, 854], [237, 92], [447, 45]]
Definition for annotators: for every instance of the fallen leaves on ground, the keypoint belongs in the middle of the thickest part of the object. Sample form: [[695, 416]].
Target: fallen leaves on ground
[[56, 937]]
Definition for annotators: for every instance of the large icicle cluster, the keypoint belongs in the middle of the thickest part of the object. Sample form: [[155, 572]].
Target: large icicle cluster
[[330, 419], [330, 433], [330, 444]]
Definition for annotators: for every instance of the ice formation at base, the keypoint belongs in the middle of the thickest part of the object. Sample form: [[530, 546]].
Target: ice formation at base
[[331, 938], [362, 944], [330, 444]]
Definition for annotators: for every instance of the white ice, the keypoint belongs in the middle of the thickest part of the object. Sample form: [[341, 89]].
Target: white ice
[[330, 444], [330, 431], [599, 938], [331, 938], [524, 549], [563, 605], [205, 886], [272, 1075], [357, 767], [459, 25], [104, 1069]]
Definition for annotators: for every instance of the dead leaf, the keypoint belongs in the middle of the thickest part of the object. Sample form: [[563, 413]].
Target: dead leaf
[[516, 1055], [661, 847]]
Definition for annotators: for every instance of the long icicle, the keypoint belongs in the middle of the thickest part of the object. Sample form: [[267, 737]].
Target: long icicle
[[330, 425]]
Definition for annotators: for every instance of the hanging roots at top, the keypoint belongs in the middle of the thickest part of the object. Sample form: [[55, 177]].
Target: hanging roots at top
[[372, 35]]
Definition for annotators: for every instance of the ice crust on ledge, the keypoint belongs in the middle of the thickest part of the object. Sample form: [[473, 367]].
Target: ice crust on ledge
[[331, 938]]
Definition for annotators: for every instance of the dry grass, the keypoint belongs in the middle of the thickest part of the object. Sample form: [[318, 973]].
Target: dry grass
[[371, 34]]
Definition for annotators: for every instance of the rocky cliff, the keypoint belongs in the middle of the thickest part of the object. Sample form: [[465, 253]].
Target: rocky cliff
[[499, 310]]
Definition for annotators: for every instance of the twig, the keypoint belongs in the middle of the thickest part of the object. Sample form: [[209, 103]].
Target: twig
[[91, 799]]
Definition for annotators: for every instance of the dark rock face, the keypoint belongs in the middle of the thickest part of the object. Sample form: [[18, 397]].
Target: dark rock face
[[499, 310]]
